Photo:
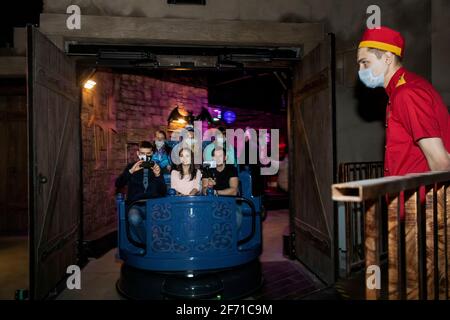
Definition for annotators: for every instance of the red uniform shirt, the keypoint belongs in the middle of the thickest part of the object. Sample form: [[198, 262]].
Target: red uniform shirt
[[415, 111]]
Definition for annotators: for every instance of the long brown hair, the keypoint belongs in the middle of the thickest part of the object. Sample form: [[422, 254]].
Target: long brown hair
[[192, 169]]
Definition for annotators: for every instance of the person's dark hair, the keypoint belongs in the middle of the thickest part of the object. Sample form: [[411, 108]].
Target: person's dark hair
[[379, 53], [192, 170], [218, 148], [147, 145], [162, 132]]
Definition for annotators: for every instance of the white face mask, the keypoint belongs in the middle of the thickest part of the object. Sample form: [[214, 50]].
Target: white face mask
[[190, 141], [370, 80], [143, 157], [220, 140], [159, 144]]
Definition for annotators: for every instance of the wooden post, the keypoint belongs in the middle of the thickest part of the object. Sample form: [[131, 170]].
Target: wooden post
[[372, 244], [343, 177], [349, 234], [447, 240], [412, 245], [430, 241], [394, 261], [442, 270]]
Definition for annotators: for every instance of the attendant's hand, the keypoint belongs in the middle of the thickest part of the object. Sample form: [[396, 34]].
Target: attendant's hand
[[136, 167], [156, 170]]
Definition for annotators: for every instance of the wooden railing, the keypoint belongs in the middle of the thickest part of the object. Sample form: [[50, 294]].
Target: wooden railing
[[418, 232], [354, 213]]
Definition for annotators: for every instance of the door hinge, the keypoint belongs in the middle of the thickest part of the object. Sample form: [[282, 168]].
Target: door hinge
[[289, 246]]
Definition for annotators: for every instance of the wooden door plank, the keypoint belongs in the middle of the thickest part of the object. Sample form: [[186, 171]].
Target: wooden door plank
[[313, 171]]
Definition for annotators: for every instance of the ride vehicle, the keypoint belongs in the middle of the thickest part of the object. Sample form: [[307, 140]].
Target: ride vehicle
[[197, 247]]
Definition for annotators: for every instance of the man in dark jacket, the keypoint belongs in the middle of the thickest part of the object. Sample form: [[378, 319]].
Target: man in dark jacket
[[143, 180]]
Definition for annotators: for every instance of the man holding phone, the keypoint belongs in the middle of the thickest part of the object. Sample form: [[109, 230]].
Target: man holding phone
[[143, 180]]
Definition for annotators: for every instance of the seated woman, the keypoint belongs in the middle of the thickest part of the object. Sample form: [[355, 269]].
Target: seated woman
[[185, 179]]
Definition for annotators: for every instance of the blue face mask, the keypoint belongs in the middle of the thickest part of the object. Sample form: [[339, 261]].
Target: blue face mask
[[371, 81]]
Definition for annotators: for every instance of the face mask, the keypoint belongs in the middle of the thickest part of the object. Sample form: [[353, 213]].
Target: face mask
[[144, 157], [159, 144], [190, 141], [367, 77]]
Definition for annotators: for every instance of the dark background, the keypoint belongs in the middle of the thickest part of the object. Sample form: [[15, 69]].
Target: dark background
[[17, 13]]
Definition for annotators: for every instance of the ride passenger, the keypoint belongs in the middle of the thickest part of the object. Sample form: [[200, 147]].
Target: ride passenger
[[162, 153], [220, 141], [186, 178], [143, 180], [224, 178]]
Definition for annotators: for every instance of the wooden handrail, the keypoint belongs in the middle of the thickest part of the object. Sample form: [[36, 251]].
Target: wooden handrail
[[357, 191], [418, 232]]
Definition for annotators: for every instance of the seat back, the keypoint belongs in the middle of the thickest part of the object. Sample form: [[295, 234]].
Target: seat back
[[188, 233]]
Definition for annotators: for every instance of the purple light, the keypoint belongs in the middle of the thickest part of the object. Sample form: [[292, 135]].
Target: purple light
[[229, 117], [217, 113]]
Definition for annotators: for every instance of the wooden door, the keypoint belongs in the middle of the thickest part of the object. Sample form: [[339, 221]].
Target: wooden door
[[13, 166], [312, 163], [54, 163]]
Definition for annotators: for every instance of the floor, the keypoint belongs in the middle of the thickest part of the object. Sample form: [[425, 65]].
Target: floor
[[13, 266], [284, 279]]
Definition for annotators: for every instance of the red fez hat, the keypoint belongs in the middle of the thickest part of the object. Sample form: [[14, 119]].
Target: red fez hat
[[384, 39]]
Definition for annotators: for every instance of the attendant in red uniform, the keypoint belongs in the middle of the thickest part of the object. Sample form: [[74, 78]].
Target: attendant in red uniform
[[417, 120]]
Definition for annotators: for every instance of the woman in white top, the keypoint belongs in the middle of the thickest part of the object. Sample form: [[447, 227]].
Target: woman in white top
[[185, 179]]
